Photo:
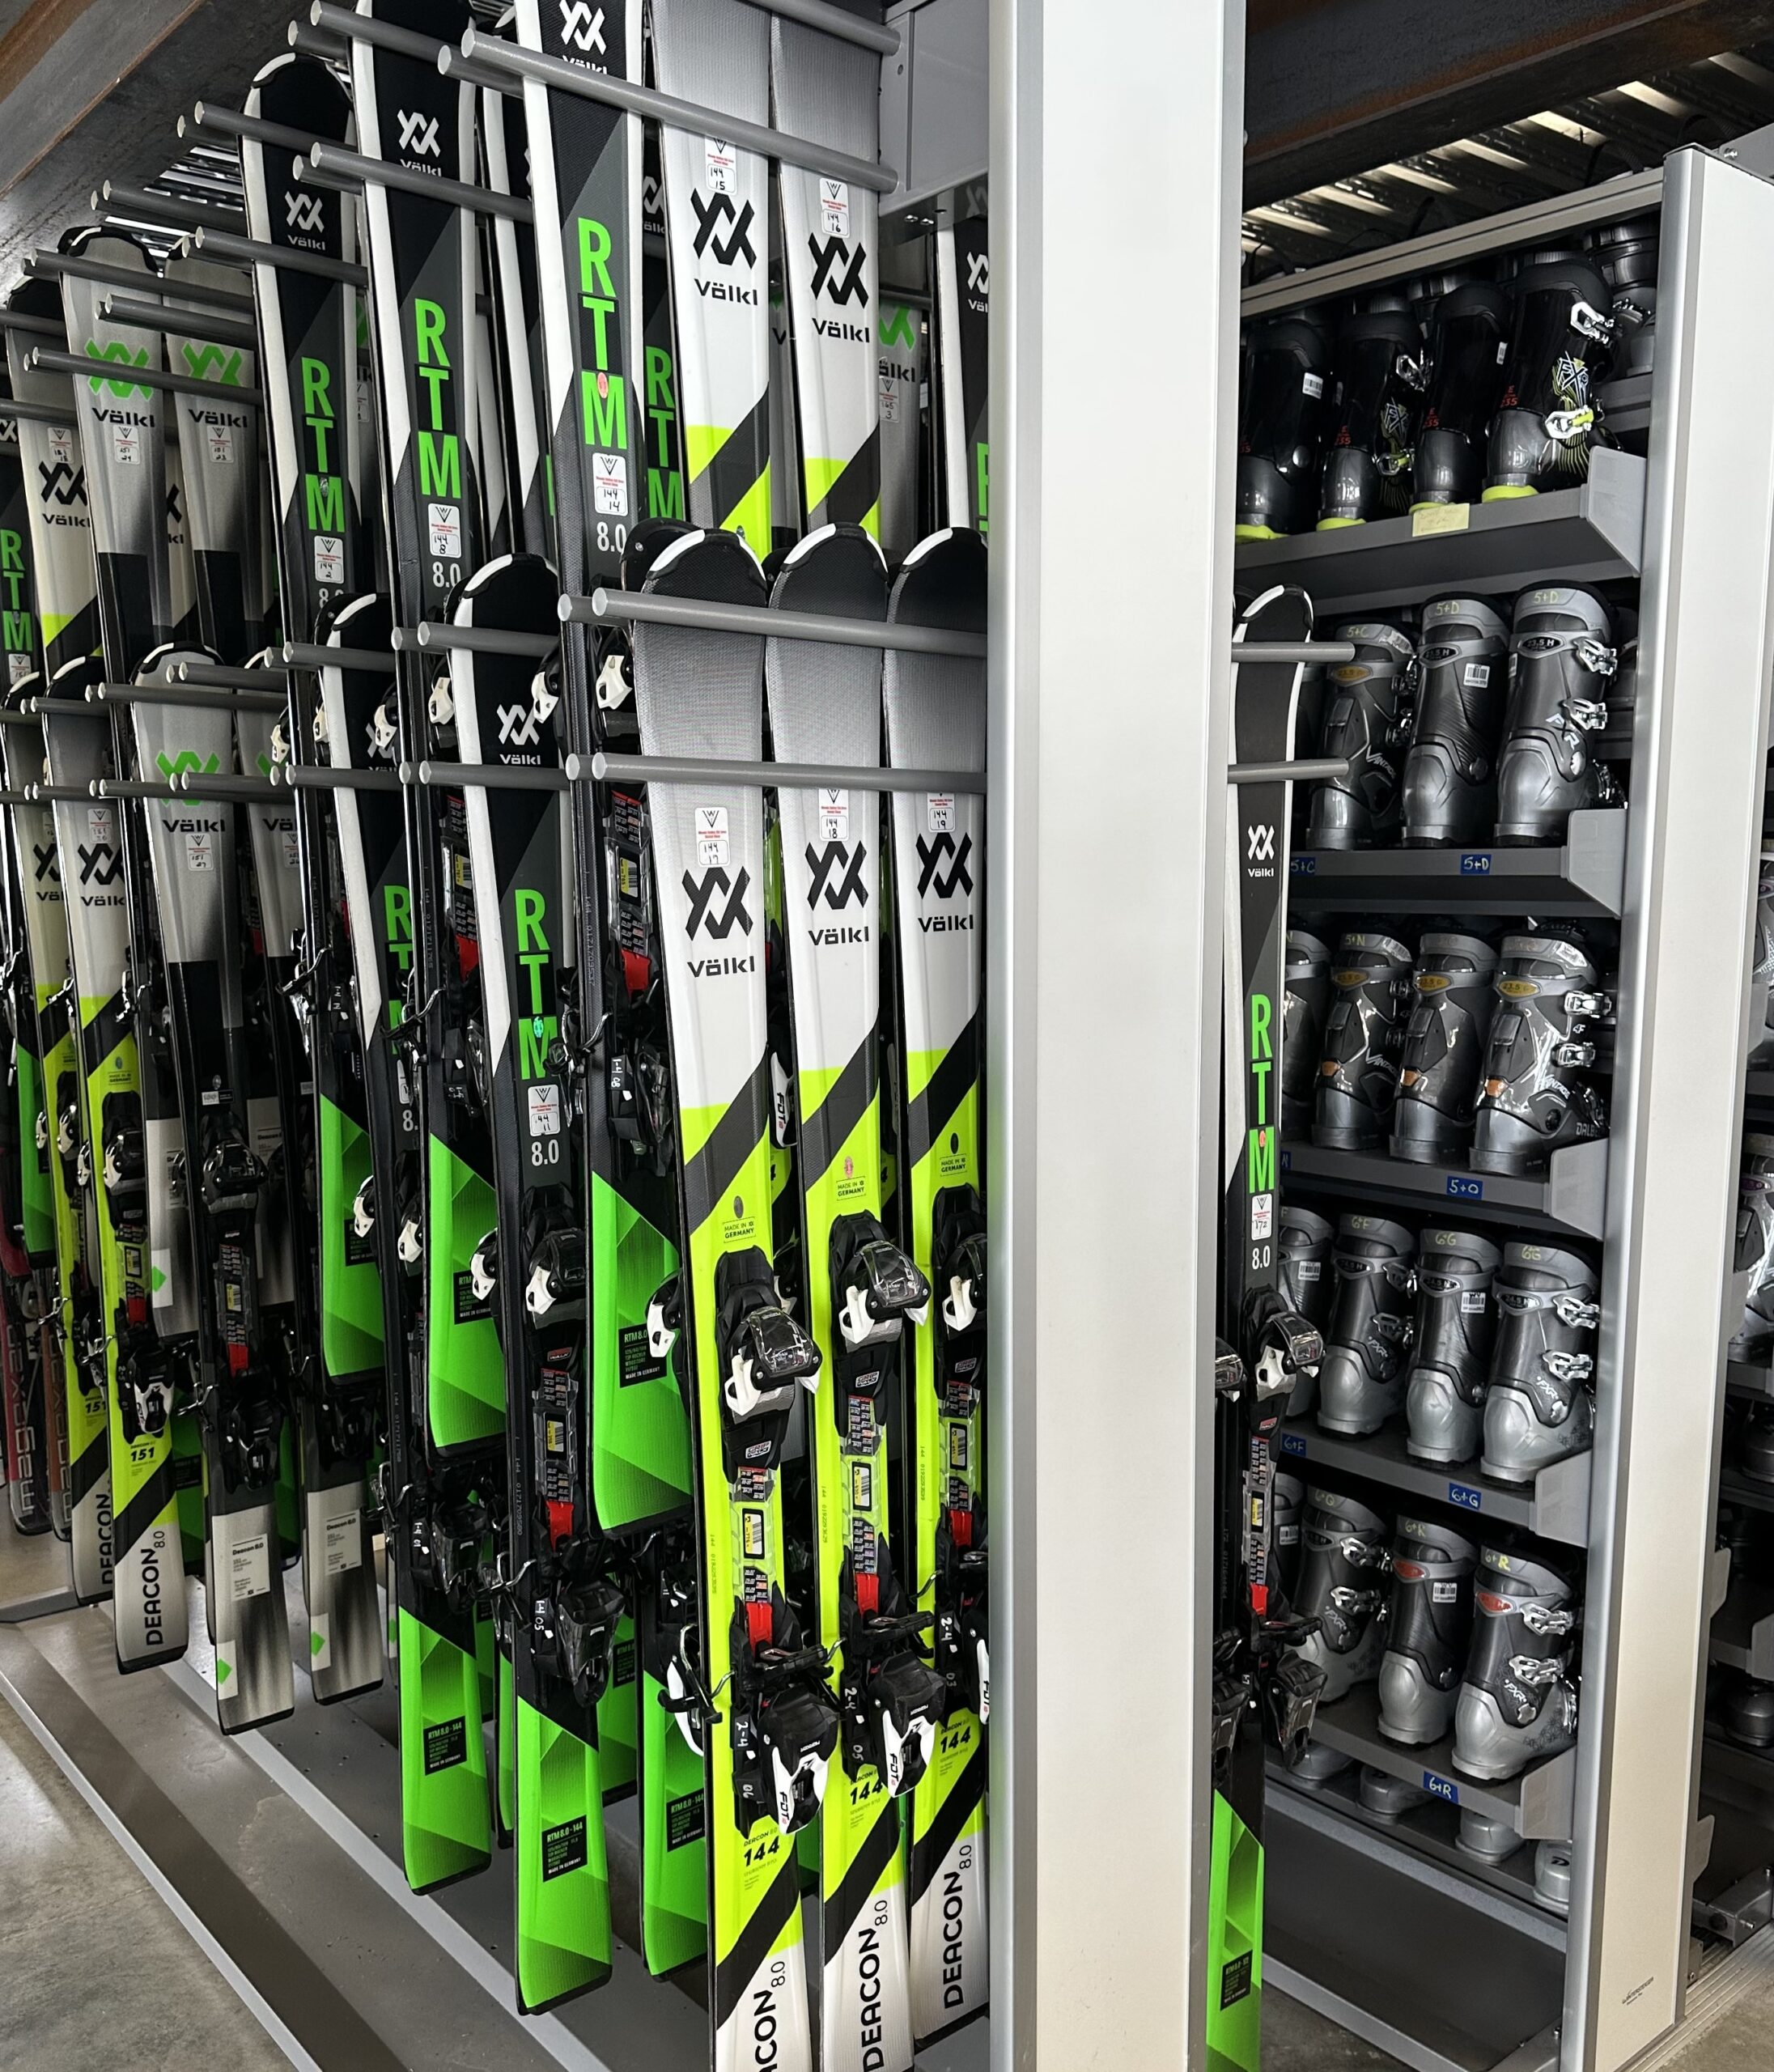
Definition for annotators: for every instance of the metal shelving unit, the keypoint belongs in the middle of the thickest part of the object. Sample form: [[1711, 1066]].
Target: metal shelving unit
[[1585, 876], [1571, 1198]]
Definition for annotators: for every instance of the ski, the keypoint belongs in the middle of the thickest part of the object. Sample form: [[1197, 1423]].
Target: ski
[[900, 368], [935, 715], [963, 324], [1264, 1345]]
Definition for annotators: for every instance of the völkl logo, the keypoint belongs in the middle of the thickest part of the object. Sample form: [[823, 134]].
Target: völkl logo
[[703, 894], [933, 853]]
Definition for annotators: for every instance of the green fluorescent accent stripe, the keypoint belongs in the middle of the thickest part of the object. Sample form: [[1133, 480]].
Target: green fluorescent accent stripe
[[39, 1206], [464, 1381], [616, 1723], [563, 1906], [640, 1431], [351, 1290], [505, 1743], [674, 1850], [444, 1821], [1234, 1945]]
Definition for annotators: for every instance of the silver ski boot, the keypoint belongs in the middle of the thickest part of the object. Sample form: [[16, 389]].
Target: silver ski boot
[[1342, 1585], [1541, 1407], [1538, 1092], [1361, 1382], [1561, 663], [1358, 1075], [1449, 1374], [1518, 1702], [1462, 683], [1388, 1799], [1754, 1343], [1446, 1041], [1306, 1008], [1552, 1876], [1309, 1284], [1367, 719], [1428, 1633]]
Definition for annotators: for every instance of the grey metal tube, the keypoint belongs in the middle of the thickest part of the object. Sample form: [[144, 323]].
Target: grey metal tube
[[334, 163], [1293, 651], [220, 678], [170, 209], [483, 640], [351, 27], [43, 266], [165, 318], [833, 21], [251, 252], [304, 777], [489, 776], [601, 769], [1312, 770], [301, 655], [173, 693], [35, 413], [32, 327], [47, 361], [194, 784], [666, 109], [605, 606], [229, 122]]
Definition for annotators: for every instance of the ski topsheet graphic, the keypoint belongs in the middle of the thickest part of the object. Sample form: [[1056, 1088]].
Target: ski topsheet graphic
[[861, 1289], [716, 52], [935, 715], [900, 340], [963, 313]]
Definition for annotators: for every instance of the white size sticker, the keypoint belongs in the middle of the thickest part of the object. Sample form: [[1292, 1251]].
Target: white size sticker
[[1473, 1306], [344, 1543], [61, 446], [200, 850], [221, 445], [328, 560], [609, 485], [292, 849], [1309, 1269], [18, 666], [711, 837], [890, 400], [365, 412], [249, 1568], [940, 812], [98, 823], [1475, 675], [1313, 384], [444, 523], [544, 1110], [720, 164], [1261, 1216], [127, 445], [833, 813], [1503, 350], [1443, 1593], [834, 207]]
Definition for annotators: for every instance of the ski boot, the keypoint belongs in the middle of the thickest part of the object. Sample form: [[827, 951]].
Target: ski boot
[[1445, 1042], [1283, 417], [1483, 1835], [1537, 1091], [1387, 1798], [1286, 1506], [1540, 1406], [1428, 1631], [1468, 332], [1358, 1074], [1753, 1344], [1562, 660], [1380, 381], [1627, 255], [1561, 350], [1361, 1382], [1450, 1358], [1517, 1702], [1748, 1713], [1308, 1284], [1755, 1443], [1368, 720], [1762, 964], [1342, 1585], [1552, 1876], [1305, 1006], [1449, 786]]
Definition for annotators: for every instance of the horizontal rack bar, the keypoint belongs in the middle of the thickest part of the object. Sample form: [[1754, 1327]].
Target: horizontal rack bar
[[23, 717], [132, 788], [305, 777], [1312, 770], [44, 266], [312, 44], [665, 109], [13, 406], [352, 28], [229, 122], [18, 799], [64, 794], [173, 321], [476, 639], [334, 166], [254, 252], [42, 360], [169, 209], [833, 21], [301, 654], [216, 678], [194, 784], [186, 694], [605, 607], [601, 769], [32, 327], [486, 776], [1293, 651]]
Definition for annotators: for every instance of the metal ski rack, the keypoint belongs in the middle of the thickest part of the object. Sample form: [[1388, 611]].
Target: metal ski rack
[[301, 655], [606, 607], [600, 769], [168, 319], [31, 327], [231, 122], [516, 64], [216, 676], [351, 27], [44, 361], [331, 165], [487, 776], [253, 252], [192, 783], [137, 205], [56, 265], [15, 406], [473, 640], [313, 777]]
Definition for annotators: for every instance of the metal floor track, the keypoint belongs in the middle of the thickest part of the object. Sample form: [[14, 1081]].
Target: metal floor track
[[277, 1851]]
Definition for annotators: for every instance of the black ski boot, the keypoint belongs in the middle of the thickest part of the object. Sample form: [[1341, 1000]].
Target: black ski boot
[[1367, 719], [1540, 1406], [1561, 348], [1342, 1585], [1287, 1507], [1449, 789], [1456, 1334], [1361, 1382], [1306, 1007], [1517, 1702], [1309, 1284], [1428, 1633], [1444, 1044], [1562, 660], [1755, 1443], [1539, 1091], [1754, 1343], [1468, 335], [1627, 254], [1379, 364], [1284, 413], [1358, 1074], [1749, 1712]]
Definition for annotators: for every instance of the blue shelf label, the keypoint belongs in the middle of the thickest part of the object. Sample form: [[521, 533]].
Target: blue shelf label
[[1306, 866], [1441, 1787], [1461, 1187], [1292, 1442], [1286, 1161], [1476, 863], [1468, 1500]]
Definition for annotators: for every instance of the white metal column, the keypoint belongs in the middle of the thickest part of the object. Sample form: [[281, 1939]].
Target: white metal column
[[1696, 815], [1116, 146]]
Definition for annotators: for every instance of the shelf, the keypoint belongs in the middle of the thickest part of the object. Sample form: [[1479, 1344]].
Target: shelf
[[1758, 1086], [1741, 1488], [1742, 1379], [1538, 1804], [1625, 403], [1571, 1198], [1592, 534], [1555, 1506], [1742, 1636], [1587, 875]]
